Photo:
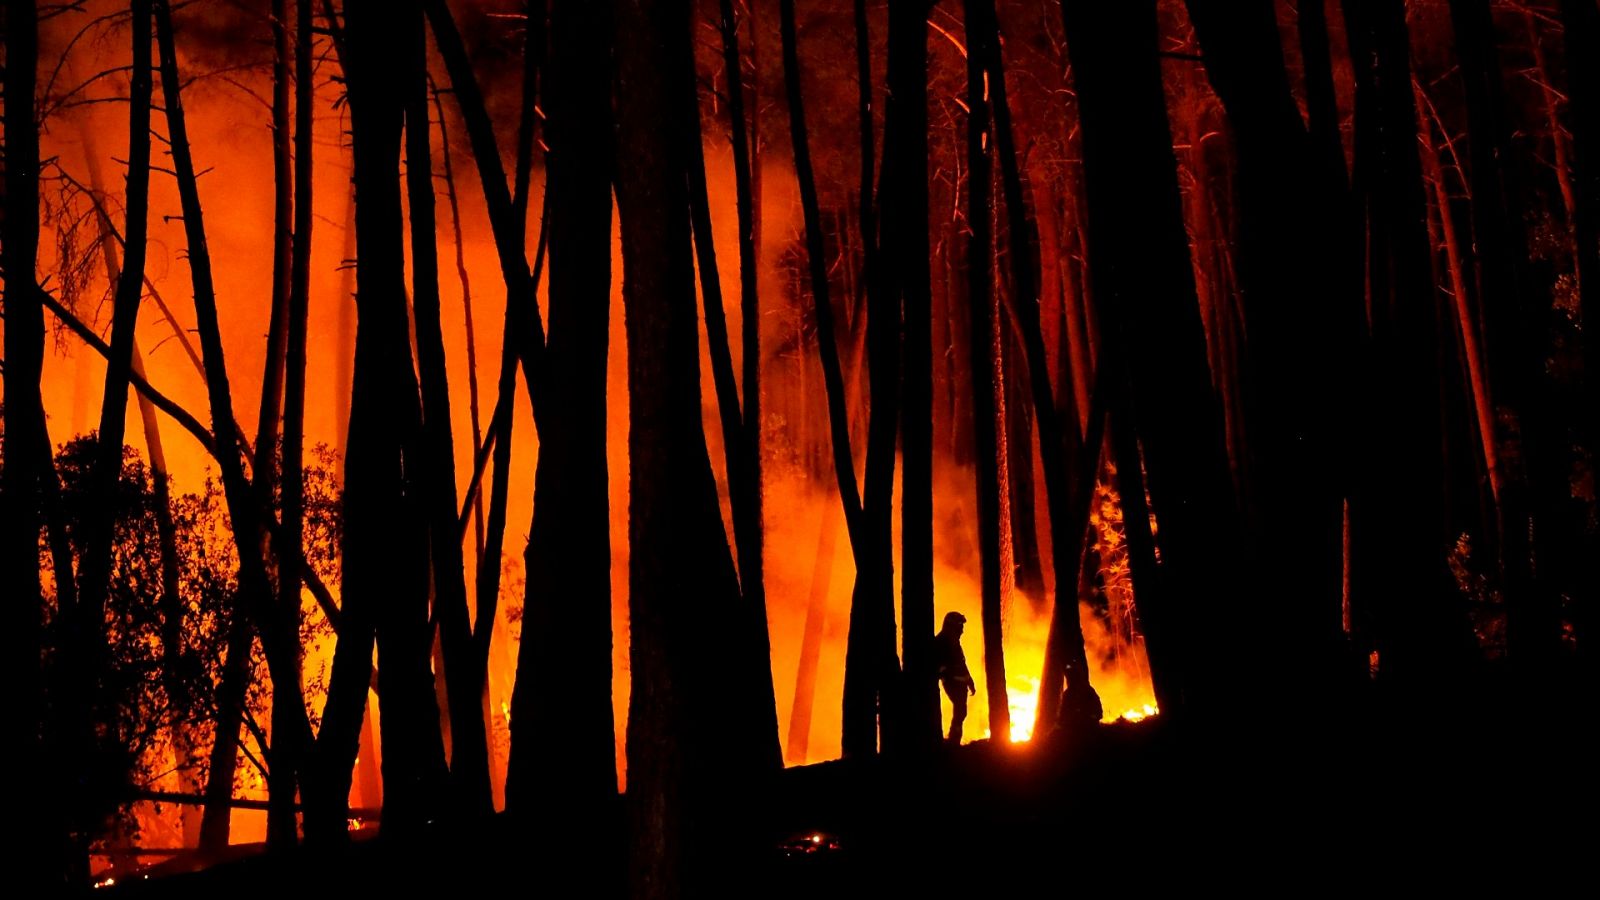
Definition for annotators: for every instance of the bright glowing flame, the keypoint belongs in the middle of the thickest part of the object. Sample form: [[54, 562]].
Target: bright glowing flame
[[1143, 712], [1023, 698]]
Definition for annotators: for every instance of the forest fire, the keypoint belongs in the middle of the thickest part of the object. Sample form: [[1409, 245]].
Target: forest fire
[[439, 419]]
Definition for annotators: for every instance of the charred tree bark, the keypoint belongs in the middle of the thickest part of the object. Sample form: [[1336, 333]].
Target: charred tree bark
[[1139, 261], [569, 779], [280, 638], [469, 749], [905, 233], [982, 341]]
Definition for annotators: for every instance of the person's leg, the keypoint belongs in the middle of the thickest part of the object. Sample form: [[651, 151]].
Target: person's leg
[[958, 714]]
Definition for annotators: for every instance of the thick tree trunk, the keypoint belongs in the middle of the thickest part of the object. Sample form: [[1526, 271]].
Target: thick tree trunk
[[1139, 261], [688, 758], [568, 778], [24, 465], [280, 638], [1580, 21], [982, 339], [1289, 233], [1401, 593], [905, 231], [385, 533], [1533, 467]]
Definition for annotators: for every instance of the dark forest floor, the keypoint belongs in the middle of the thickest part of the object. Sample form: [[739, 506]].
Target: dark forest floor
[[1410, 798]]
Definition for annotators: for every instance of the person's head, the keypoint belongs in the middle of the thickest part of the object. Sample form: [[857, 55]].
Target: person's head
[[954, 623]]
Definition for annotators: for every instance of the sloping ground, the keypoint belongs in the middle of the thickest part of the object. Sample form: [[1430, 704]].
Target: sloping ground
[[1405, 800]]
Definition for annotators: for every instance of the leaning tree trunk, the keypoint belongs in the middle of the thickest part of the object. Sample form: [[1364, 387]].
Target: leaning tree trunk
[[744, 485], [567, 609], [280, 637], [469, 749], [981, 342], [689, 758], [1141, 271], [860, 733]]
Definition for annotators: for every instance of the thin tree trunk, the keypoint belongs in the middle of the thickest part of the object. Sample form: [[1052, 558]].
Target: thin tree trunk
[[981, 343], [872, 562], [533, 57], [289, 544], [463, 682], [217, 820], [86, 624], [564, 784], [1059, 446], [466, 303], [280, 637], [263, 468]]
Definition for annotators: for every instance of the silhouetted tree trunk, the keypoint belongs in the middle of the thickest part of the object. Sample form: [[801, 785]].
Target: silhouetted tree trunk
[[290, 543], [874, 567], [280, 638], [466, 303], [982, 342], [1580, 21], [1060, 447], [469, 749], [685, 752], [167, 537], [385, 534], [1401, 593], [24, 465], [85, 625], [744, 485], [1289, 232], [564, 784], [1139, 261], [1533, 469], [216, 823], [905, 241], [263, 466]]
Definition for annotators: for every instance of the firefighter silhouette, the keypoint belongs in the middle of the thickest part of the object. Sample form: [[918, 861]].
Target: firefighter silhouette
[[953, 672]]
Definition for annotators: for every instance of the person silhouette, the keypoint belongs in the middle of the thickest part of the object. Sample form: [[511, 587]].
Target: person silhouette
[[953, 672]]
